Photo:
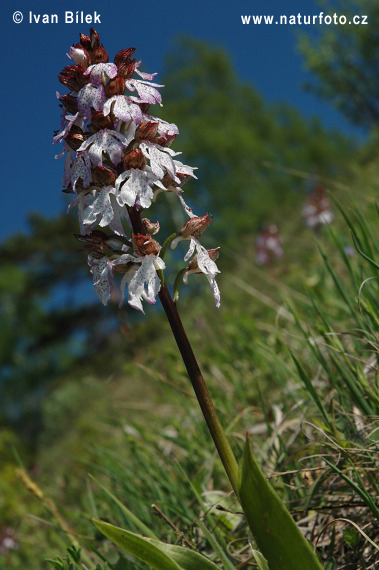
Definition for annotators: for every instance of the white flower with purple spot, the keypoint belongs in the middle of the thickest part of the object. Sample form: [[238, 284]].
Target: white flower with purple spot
[[104, 142], [123, 108], [99, 72], [205, 265], [165, 129], [81, 169], [146, 91], [145, 283], [101, 270], [90, 96], [134, 187], [66, 129], [104, 210], [160, 159]]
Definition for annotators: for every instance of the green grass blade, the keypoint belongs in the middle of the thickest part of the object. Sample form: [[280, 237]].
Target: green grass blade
[[127, 512], [312, 391], [276, 533], [361, 492]]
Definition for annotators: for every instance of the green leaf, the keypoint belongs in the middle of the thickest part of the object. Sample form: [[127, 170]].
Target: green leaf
[[274, 530], [154, 552], [260, 560], [187, 559]]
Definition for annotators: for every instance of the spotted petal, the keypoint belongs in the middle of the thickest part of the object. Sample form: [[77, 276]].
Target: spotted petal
[[81, 169], [135, 186], [123, 109], [90, 96], [99, 70], [146, 91], [160, 159], [104, 141], [101, 270], [146, 275]]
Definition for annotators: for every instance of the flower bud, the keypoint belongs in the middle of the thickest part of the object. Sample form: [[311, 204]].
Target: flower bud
[[85, 41], [75, 137], [99, 55], [70, 103], [94, 38], [100, 121], [165, 141], [103, 176], [126, 70], [123, 56], [151, 227], [72, 77], [145, 245], [195, 227], [146, 131], [80, 55], [115, 86], [134, 159]]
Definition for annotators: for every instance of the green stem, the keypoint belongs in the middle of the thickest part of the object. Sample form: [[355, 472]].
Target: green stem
[[177, 283], [166, 244], [207, 407]]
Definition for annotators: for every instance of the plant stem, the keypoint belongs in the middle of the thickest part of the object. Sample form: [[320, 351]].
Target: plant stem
[[207, 407]]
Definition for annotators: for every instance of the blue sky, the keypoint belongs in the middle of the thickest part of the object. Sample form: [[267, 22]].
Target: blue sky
[[264, 55]]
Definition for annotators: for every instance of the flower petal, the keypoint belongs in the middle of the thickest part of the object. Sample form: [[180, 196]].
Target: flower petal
[[146, 275], [97, 72], [90, 96], [104, 141]]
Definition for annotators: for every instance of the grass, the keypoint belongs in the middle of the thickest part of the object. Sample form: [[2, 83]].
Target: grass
[[291, 358]]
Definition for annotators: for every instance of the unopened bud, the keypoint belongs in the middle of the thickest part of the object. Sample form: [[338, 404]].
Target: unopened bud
[[85, 41], [103, 176], [195, 227], [146, 131], [80, 55], [94, 38], [100, 121], [123, 57], [134, 159], [70, 103], [75, 137], [126, 70], [115, 86], [73, 77], [165, 141], [145, 245], [151, 227], [99, 55]]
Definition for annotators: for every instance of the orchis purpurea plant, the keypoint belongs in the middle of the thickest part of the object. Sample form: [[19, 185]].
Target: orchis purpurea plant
[[118, 161]]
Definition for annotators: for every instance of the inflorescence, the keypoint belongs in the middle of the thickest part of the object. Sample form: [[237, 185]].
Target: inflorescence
[[118, 159]]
